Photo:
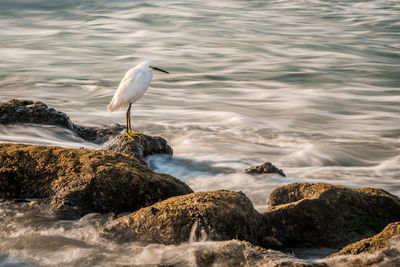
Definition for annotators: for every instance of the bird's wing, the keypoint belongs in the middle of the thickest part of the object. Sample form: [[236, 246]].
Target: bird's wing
[[130, 89]]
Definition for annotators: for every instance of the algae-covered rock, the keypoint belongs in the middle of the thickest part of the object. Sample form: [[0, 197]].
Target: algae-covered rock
[[26, 111], [216, 215], [372, 244], [266, 167], [307, 214], [79, 181], [139, 146]]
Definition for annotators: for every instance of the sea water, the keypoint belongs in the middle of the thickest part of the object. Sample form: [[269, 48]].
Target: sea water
[[312, 86]]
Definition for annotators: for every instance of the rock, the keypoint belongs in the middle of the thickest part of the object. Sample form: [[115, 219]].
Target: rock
[[241, 253], [301, 214], [308, 214], [26, 111], [75, 182], [387, 257], [216, 215], [372, 244], [266, 167], [141, 147]]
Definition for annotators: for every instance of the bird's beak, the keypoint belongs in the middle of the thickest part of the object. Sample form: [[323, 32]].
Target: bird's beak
[[155, 68]]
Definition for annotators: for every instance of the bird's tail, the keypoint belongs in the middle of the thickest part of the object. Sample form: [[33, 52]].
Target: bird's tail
[[110, 107]]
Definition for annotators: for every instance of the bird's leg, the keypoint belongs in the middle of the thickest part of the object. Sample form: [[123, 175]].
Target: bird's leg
[[128, 122], [131, 134], [128, 119], [127, 127]]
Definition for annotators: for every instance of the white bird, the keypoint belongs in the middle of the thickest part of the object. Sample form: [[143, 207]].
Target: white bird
[[132, 87]]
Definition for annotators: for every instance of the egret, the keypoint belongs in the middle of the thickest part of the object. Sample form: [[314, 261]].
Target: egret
[[132, 87]]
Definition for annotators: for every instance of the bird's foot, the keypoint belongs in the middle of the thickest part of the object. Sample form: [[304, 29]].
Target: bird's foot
[[133, 135]]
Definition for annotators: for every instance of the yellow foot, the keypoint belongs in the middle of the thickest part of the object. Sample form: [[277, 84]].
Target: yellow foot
[[133, 135]]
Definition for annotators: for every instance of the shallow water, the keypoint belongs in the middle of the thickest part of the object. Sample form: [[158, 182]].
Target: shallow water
[[312, 86], [30, 239]]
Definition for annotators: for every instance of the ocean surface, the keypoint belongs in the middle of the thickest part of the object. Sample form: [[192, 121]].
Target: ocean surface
[[312, 86]]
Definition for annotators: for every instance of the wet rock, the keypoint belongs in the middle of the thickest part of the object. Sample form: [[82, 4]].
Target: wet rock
[[26, 111], [216, 215], [140, 147], [75, 182], [375, 243], [240, 253], [301, 214], [308, 214], [266, 167], [387, 257]]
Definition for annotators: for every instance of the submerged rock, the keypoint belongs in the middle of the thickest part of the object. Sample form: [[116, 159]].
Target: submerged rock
[[140, 147], [375, 243], [240, 253], [216, 215], [266, 167], [75, 182], [387, 257], [26, 111], [308, 214]]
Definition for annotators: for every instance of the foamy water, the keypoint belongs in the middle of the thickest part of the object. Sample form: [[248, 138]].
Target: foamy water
[[312, 86]]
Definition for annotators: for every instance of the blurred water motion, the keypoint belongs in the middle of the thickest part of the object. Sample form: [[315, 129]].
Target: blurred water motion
[[312, 86]]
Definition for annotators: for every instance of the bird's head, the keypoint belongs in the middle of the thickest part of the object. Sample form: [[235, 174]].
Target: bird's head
[[146, 66]]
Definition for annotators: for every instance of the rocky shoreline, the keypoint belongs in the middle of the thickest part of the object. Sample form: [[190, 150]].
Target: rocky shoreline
[[27, 111], [72, 182]]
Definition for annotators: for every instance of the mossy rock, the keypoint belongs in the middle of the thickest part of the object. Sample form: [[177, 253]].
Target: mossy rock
[[216, 215], [308, 214], [373, 244], [75, 182]]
